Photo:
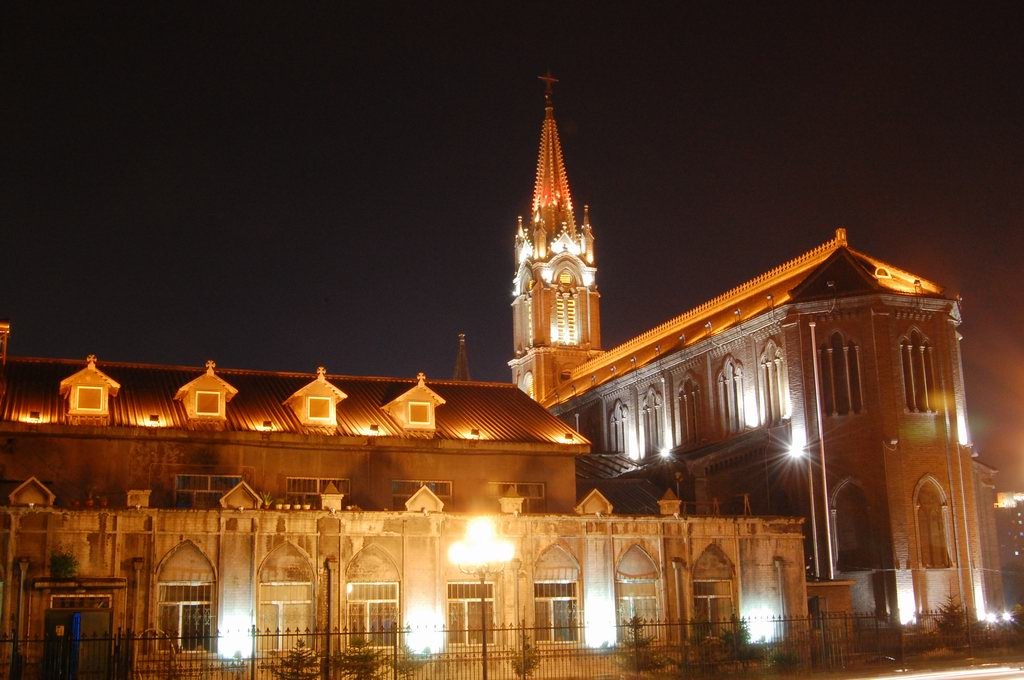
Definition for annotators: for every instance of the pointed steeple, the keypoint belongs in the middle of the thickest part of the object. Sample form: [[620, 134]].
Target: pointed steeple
[[461, 371], [552, 202]]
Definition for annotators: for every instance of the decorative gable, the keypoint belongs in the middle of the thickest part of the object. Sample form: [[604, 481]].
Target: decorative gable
[[241, 497], [424, 500], [315, 405], [32, 492], [594, 503], [669, 504], [88, 393], [205, 398], [414, 409]]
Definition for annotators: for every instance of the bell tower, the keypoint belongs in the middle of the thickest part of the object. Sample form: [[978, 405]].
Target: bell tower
[[555, 313]]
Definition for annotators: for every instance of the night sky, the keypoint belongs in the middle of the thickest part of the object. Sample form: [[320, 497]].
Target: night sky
[[281, 185]]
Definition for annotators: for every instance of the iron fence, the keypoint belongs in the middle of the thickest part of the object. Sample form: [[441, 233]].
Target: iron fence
[[635, 649]]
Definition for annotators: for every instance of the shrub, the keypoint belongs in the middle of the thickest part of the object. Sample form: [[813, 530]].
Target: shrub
[[63, 563], [638, 654], [360, 661], [526, 659]]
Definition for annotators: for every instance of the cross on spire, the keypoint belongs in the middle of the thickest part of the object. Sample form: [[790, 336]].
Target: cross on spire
[[549, 85]]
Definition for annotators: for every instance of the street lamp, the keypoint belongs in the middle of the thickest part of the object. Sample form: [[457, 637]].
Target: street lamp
[[481, 553], [796, 452]]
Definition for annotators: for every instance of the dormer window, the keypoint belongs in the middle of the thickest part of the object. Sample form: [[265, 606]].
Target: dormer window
[[208, 404], [88, 393], [89, 398], [316, 404], [415, 409], [319, 408], [206, 398], [421, 413]]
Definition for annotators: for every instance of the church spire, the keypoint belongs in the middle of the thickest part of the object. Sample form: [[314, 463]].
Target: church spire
[[461, 371], [552, 203]]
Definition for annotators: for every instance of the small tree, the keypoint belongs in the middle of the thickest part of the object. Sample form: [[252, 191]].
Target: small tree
[[527, 658], [638, 649], [408, 661], [360, 661], [951, 620], [300, 663]]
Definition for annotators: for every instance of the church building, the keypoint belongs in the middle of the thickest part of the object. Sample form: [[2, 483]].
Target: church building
[[830, 387]]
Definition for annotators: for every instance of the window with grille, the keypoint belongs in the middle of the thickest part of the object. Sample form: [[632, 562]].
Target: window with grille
[[373, 611], [202, 491], [467, 613], [555, 612], [307, 490], [403, 489], [532, 494], [185, 613], [637, 597]]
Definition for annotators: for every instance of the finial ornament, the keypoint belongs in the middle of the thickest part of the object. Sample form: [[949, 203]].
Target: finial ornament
[[210, 365], [549, 85], [321, 373], [421, 377], [91, 360]]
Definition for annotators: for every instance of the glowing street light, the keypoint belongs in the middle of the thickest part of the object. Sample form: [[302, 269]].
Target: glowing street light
[[481, 554]]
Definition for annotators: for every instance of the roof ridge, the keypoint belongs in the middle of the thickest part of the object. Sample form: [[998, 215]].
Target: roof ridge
[[827, 248]]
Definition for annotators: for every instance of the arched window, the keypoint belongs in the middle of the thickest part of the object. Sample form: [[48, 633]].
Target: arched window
[[712, 586], [730, 396], [371, 595], [286, 597], [556, 596], [918, 377], [617, 425], [773, 385], [186, 587], [839, 361], [564, 322], [653, 422], [526, 384], [855, 549], [930, 503], [689, 412], [636, 586]]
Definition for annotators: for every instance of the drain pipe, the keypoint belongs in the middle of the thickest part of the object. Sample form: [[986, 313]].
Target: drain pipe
[[821, 448]]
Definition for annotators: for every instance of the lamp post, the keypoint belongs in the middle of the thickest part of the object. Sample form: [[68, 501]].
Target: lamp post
[[481, 554]]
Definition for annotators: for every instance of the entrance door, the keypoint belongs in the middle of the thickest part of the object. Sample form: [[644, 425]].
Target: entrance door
[[78, 644]]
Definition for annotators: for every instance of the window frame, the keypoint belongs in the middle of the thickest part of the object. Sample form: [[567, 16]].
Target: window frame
[[209, 414], [310, 399], [384, 637], [464, 634], [101, 408]]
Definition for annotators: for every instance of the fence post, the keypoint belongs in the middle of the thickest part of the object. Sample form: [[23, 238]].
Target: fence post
[[252, 665], [394, 653]]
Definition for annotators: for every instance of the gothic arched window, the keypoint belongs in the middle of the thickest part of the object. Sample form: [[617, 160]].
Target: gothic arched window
[[712, 586], [931, 524], [186, 588], [854, 545], [636, 586], [773, 384], [564, 322], [918, 377], [689, 412], [617, 421], [730, 396], [839, 360], [286, 597], [556, 596], [651, 417]]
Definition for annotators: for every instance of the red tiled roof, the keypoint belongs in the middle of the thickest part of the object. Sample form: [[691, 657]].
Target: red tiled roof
[[500, 412]]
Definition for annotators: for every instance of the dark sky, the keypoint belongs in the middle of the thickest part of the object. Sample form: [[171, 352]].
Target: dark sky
[[286, 184]]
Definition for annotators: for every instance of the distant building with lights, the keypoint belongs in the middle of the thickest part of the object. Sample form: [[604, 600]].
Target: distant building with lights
[[834, 356], [1010, 529]]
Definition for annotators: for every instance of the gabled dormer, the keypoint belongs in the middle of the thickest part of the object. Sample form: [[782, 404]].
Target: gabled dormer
[[415, 409], [315, 405], [88, 393], [205, 398]]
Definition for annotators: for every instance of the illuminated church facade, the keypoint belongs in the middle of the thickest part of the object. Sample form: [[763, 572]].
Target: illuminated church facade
[[830, 387]]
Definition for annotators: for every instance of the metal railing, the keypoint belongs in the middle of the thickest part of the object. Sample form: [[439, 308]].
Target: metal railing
[[636, 649]]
